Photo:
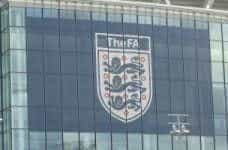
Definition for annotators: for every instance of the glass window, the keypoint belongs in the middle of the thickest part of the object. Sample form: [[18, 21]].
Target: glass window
[[220, 124], [36, 140], [19, 139], [67, 14], [17, 38], [83, 15], [119, 141], [216, 51], [99, 16], [34, 12], [164, 142], [217, 72], [4, 18], [18, 61], [50, 13], [17, 16], [54, 140], [220, 142], [219, 98], [129, 18], [5, 40], [18, 89], [225, 32], [19, 117], [149, 142], [193, 143], [103, 141], [71, 141], [179, 143], [114, 17], [135, 141], [225, 46], [144, 20], [215, 31], [207, 143], [87, 141]]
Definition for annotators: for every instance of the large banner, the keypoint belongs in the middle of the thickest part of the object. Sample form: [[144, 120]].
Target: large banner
[[123, 67]]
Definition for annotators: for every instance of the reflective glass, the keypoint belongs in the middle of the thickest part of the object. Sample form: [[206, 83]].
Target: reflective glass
[[217, 72], [193, 143], [36, 140], [225, 32], [16, 16], [87, 141], [207, 143], [18, 89], [17, 38], [103, 141], [54, 140], [164, 142], [219, 98], [216, 51], [220, 124], [19, 117], [215, 31], [149, 142], [71, 141], [119, 141], [220, 142], [20, 140], [225, 47], [18, 61]]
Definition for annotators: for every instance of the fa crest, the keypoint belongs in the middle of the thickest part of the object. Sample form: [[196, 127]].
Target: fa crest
[[124, 78]]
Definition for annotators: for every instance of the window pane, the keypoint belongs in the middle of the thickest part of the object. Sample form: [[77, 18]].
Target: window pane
[[220, 124], [17, 38], [54, 140], [216, 51], [103, 141], [19, 139], [37, 140], [17, 16], [220, 143], [193, 143], [207, 143], [225, 32], [19, 89], [18, 61], [19, 117], [164, 142], [149, 142], [215, 31], [87, 141], [71, 141], [219, 98], [217, 72]]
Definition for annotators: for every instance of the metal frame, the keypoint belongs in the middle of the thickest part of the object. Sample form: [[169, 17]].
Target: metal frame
[[71, 4]]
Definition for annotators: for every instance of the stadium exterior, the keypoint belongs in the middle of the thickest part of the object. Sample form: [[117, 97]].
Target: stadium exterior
[[96, 75]]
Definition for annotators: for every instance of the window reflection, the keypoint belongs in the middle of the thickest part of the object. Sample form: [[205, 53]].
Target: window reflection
[[119, 141]]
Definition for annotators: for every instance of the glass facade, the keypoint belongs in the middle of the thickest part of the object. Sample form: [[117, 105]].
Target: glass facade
[[50, 78]]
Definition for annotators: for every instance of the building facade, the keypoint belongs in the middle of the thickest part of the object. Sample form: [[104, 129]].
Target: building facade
[[112, 76]]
